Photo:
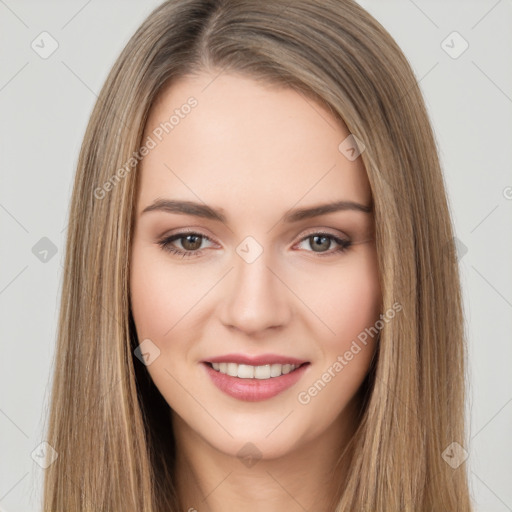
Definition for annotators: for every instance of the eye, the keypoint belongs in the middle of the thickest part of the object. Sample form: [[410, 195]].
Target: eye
[[190, 242], [321, 242]]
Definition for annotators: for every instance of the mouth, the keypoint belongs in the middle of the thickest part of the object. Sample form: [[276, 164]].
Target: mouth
[[247, 371], [254, 383]]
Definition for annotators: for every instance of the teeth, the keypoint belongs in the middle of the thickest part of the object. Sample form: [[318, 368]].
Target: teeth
[[232, 369], [246, 371]]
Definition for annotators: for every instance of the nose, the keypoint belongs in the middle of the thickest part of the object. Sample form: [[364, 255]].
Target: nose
[[256, 298]]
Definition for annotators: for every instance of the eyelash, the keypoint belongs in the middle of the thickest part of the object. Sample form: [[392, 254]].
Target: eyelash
[[165, 244]]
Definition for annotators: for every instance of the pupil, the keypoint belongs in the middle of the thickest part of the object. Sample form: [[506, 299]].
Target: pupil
[[193, 240], [324, 245]]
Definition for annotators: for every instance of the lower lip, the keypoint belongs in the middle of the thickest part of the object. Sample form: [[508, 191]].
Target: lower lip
[[254, 390]]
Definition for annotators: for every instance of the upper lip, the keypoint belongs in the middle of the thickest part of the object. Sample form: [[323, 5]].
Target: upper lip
[[260, 360]]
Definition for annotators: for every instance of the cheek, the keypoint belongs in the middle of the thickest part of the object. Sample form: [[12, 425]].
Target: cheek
[[161, 295], [346, 298], [149, 290], [358, 301], [351, 306]]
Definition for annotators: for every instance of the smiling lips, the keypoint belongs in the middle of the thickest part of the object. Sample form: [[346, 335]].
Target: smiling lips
[[254, 378], [246, 371], [261, 367]]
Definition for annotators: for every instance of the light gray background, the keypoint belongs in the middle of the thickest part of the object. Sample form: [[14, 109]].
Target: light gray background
[[45, 105]]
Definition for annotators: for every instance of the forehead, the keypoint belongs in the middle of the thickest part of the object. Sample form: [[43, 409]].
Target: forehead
[[245, 143]]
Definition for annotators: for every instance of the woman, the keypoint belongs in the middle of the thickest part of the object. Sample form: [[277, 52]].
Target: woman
[[261, 306]]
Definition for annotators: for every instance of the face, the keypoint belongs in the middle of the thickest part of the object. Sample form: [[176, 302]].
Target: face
[[231, 263]]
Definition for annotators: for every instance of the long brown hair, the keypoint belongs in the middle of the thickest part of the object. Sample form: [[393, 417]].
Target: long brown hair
[[107, 421]]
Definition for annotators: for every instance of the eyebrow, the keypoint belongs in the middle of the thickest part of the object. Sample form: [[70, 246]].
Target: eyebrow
[[295, 215]]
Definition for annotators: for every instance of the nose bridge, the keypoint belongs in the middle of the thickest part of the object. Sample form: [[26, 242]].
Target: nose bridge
[[256, 299]]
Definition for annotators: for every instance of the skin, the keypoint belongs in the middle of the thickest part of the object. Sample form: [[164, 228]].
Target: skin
[[255, 152]]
